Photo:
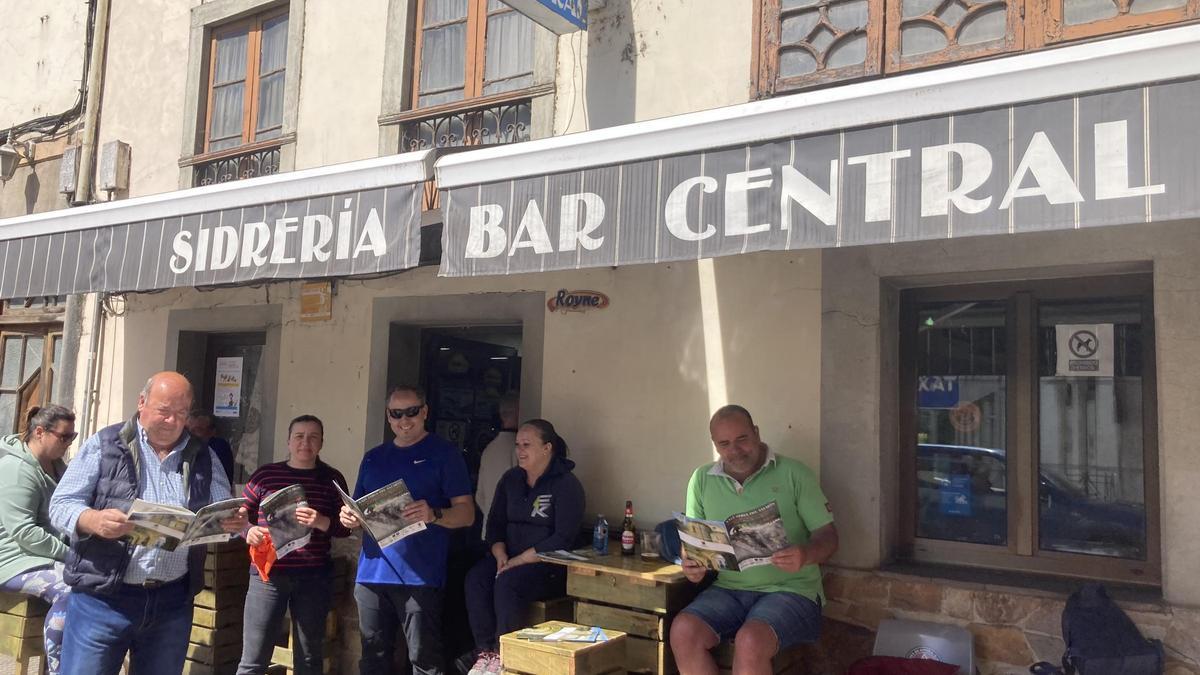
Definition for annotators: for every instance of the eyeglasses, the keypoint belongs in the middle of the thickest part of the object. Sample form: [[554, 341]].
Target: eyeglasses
[[65, 438], [401, 413]]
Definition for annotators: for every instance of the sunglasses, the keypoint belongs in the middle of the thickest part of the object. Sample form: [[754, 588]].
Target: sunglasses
[[65, 438], [401, 413]]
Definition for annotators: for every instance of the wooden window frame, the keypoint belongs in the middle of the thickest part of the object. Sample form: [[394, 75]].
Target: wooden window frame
[[51, 335], [253, 26], [475, 59], [1013, 39], [1021, 553], [1056, 30], [765, 61]]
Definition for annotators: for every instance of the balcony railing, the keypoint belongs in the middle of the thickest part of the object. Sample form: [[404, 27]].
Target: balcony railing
[[247, 164], [491, 125]]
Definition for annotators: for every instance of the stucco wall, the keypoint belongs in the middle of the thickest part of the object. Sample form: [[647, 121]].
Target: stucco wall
[[630, 387], [858, 457], [42, 50]]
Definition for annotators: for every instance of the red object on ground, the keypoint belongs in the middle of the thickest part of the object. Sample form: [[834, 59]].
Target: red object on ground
[[895, 665]]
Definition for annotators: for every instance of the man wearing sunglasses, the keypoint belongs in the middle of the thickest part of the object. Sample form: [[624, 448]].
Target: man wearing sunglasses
[[401, 586]]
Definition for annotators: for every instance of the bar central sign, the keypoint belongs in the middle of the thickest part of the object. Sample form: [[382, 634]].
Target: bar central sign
[[560, 16], [1100, 159]]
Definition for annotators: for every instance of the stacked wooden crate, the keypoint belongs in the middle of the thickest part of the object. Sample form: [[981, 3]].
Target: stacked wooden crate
[[21, 620], [216, 641]]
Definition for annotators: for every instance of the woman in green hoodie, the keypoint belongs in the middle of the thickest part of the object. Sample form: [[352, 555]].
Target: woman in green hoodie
[[31, 551]]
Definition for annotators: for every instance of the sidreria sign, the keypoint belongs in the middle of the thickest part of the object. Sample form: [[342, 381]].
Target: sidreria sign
[[576, 301]]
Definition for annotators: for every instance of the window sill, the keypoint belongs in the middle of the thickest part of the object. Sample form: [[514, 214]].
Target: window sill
[[467, 104], [280, 141]]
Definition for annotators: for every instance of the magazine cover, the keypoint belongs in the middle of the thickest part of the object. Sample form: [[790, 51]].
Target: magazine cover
[[741, 541], [167, 526], [379, 512], [279, 512]]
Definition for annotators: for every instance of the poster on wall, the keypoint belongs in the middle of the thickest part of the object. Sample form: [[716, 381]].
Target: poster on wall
[[1084, 350], [227, 394]]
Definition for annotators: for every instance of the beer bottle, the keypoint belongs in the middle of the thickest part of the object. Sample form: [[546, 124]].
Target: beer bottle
[[628, 536]]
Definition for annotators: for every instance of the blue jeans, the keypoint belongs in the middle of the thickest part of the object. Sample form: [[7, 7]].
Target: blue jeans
[[794, 618], [46, 583], [308, 594], [153, 625]]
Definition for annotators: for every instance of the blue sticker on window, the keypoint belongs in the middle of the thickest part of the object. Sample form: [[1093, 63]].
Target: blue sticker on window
[[956, 497]]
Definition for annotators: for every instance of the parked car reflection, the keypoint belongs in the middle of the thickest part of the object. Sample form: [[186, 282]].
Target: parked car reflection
[[962, 496]]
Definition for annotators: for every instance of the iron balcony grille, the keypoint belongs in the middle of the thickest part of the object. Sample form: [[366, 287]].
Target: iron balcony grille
[[261, 162], [491, 125]]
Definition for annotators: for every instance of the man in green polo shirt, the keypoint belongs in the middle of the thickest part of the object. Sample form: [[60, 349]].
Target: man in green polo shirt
[[769, 607]]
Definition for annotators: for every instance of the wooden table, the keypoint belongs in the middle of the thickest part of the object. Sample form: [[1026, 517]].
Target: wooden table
[[633, 595], [533, 657]]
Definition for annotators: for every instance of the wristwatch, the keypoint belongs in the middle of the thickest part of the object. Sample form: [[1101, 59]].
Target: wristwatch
[[437, 515]]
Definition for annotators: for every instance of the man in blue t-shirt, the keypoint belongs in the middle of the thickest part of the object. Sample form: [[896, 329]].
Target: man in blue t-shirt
[[401, 585]]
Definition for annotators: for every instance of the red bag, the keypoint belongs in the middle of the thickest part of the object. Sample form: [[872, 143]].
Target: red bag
[[263, 556]]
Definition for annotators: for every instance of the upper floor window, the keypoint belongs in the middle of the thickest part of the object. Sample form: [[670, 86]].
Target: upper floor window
[[468, 49], [248, 63], [805, 42]]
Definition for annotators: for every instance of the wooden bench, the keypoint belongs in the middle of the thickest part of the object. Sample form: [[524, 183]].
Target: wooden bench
[[533, 657], [21, 621], [554, 609]]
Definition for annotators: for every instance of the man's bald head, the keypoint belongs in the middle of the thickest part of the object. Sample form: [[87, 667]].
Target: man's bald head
[[730, 411], [163, 408]]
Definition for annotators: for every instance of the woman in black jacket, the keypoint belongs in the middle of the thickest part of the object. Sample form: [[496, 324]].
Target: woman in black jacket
[[538, 507]]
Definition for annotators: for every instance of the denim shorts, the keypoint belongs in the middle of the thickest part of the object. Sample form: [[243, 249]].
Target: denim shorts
[[794, 618]]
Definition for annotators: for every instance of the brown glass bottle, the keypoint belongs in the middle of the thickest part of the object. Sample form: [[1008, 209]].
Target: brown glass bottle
[[628, 535]]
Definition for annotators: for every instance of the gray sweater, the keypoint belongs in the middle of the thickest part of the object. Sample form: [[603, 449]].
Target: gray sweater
[[27, 540]]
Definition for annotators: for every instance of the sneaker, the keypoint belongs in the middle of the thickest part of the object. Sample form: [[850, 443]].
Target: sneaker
[[485, 661], [494, 667]]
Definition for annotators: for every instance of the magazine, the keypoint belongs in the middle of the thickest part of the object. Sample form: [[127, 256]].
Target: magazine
[[168, 527], [741, 541], [279, 511], [379, 512], [563, 555]]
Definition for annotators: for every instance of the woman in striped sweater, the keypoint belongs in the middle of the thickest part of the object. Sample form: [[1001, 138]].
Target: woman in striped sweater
[[302, 578]]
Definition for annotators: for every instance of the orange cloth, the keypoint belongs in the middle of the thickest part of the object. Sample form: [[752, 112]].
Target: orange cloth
[[263, 556]]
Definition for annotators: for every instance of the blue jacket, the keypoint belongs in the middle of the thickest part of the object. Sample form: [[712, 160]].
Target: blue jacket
[[546, 516], [97, 565]]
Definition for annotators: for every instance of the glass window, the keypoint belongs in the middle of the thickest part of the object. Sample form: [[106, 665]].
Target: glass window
[[1032, 408], [246, 81]]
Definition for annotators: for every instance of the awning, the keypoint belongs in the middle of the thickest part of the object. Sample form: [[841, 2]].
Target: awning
[[1094, 134], [355, 218]]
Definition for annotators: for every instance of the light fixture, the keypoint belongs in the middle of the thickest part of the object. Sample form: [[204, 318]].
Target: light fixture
[[10, 156]]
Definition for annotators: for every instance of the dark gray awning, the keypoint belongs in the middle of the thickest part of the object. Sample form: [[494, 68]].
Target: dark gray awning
[[897, 161], [355, 218]]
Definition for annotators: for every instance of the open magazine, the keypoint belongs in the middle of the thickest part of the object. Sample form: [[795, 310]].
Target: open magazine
[[379, 512], [741, 541], [168, 527], [279, 510]]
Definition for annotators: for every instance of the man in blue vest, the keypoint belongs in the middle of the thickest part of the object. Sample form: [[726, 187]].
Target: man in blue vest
[[128, 598]]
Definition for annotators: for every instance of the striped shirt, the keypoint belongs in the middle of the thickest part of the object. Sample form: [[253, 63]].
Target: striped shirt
[[320, 495]]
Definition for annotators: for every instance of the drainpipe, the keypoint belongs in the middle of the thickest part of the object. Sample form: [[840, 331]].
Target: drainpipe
[[64, 387], [93, 368], [91, 111]]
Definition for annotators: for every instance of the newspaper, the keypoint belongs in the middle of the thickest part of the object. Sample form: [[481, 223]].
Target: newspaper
[[741, 541], [168, 527], [563, 555], [379, 512], [279, 511]]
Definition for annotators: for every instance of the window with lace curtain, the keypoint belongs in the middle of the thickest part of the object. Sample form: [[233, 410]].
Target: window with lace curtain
[[246, 73], [470, 49]]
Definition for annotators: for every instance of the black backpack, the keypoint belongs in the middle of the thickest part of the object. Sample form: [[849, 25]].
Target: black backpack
[[1102, 640]]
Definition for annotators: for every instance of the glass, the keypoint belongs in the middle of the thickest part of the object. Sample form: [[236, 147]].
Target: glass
[[8, 413], [986, 25], [1077, 12], [33, 357], [509, 47], [443, 58], [651, 544], [10, 369], [401, 413], [961, 408], [1091, 478]]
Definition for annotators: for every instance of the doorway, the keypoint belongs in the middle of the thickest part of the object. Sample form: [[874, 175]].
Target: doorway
[[225, 370]]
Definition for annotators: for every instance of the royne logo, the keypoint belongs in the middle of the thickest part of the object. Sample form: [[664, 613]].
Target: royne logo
[[576, 301]]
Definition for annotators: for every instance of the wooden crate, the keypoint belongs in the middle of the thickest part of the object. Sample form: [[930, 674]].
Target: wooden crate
[[554, 609], [282, 656], [191, 667], [215, 654], [528, 657], [786, 661], [19, 604], [21, 626], [211, 637], [641, 624], [217, 618], [21, 620], [631, 582]]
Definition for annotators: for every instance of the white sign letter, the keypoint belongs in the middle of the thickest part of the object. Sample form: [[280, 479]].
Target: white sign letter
[[936, 191], [371, 239], [676, 209], [570, 231], [314, 241], [182, 246], [283, 227], [224, 247], [878, 196], [485, 238], [798, 189], [532, 226], [1049, 174], [255, 238], [1112, 164], [737, 202]]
